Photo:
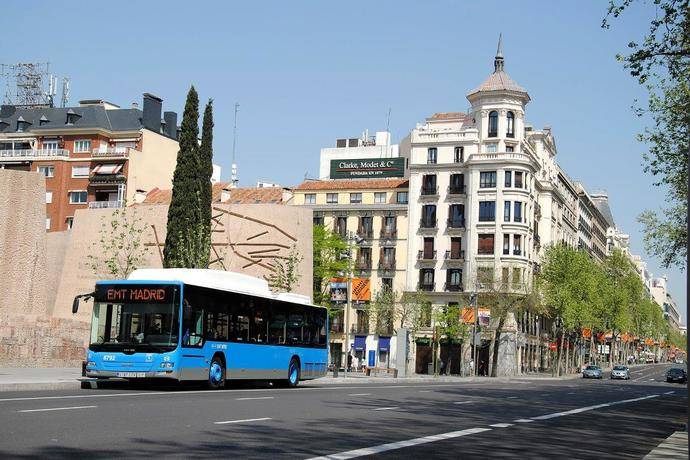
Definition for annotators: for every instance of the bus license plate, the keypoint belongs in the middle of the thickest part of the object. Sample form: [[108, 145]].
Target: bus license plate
[[131, 374]]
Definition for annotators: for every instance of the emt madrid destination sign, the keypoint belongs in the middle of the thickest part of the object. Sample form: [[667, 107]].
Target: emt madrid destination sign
[[367, 168]]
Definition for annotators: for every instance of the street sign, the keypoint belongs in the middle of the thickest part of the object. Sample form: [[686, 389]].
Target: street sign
[[367, 168]]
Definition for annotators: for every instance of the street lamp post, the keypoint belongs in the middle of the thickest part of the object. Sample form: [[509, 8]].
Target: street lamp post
[[348, 304], [473, 300]]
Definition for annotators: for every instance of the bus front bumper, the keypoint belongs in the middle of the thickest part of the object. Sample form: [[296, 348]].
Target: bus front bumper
[[158, 374]]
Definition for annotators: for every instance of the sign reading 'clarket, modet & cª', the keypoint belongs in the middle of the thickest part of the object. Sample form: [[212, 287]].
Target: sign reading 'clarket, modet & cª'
[[367, 168]]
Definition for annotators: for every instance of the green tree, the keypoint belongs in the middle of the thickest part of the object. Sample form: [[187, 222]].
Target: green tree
[[183, 241], [119, 250], [449, 327], [330, 260], [568, 285], [206, 171], [503, 296], [383, 311], [662, 64], [414, 311], [285, 273]]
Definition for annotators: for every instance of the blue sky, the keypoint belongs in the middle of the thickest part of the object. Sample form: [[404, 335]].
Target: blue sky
[[308, 72]]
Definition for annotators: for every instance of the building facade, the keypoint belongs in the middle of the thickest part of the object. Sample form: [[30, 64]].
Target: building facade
[[96, 155], [371, 214], [661, 295], [486, 195]]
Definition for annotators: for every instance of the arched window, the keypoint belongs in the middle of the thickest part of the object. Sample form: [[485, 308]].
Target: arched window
[[510, 132], [493, 123]]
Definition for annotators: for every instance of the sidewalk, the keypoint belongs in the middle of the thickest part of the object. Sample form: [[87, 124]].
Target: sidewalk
[[675, 446], [28, 378], [36, 379]]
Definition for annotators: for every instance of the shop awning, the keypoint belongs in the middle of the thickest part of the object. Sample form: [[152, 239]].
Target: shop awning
[[107, 169], [384, 344], [360, 342]]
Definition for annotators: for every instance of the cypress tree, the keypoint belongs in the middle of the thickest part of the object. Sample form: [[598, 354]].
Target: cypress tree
[[184, 214], [206, 171]]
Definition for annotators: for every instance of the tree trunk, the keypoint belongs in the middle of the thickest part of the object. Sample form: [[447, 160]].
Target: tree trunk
[[560, 353], [567, 358], [496, 343]]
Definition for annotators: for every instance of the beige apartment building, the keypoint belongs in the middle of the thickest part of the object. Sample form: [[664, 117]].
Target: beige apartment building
[[371, 214]]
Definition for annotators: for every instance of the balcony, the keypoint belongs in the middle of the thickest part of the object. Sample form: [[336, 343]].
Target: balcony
[[427, 224], [111, 152], [457, 190], [389, 234], [429, 190], [427, 287], [452, 287], [455, 255], [426, 255], [359, 329], [106, 204], [336, 328], [365, 233], [456, 224], [387, 264], [363, 264], [34, 153]]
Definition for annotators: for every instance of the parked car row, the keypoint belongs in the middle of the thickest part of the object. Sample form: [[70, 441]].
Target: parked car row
[[593, 371]]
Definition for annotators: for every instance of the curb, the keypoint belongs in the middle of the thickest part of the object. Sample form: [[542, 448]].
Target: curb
[[40, 386]]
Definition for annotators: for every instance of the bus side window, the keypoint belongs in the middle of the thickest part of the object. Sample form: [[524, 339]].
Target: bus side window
[[295, 326], [276, 326], [258, 326], [193, 324]]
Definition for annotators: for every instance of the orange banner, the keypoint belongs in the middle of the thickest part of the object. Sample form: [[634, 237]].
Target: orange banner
[[586, 332], [361, 289]]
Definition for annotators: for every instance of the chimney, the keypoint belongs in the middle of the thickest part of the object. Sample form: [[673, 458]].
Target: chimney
[[153, 106], [170, 124]]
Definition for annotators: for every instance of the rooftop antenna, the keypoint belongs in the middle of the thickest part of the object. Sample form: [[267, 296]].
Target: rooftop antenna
[[234, 181], [388, 121], [65, 91]]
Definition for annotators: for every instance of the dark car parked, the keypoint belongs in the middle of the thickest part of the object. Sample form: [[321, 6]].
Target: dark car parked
[[676, 375]]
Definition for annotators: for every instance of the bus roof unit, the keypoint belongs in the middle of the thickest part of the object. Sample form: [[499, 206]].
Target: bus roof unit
[[216, 279]]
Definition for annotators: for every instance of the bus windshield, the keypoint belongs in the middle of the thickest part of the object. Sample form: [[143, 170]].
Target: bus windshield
[[135, 318]]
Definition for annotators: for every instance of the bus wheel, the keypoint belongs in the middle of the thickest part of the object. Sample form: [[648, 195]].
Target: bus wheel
[[293, 373], [216, 374]]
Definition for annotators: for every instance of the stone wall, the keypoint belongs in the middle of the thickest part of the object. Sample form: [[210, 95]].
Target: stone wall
[[30, 266]]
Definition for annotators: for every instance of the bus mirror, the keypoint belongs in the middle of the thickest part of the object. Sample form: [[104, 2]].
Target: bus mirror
[[75, 302]]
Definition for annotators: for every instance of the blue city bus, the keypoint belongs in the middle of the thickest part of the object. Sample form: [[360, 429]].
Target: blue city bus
[[203, 325]]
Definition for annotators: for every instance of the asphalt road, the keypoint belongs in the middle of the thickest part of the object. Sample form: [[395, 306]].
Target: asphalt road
[[519, 419]]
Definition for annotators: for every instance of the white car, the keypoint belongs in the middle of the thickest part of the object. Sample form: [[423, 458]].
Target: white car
[[620, 372]]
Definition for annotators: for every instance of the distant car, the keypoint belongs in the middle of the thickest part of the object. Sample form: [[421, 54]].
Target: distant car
[[676, 374], [620, 372], [592, 372], [679, 360]]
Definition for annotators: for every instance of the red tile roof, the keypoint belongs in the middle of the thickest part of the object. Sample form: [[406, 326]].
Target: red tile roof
[[353, 184], [249, 195], [449, 116]]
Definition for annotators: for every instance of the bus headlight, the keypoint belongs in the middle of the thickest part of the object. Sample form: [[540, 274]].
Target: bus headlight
[[167, 365], [91, 364]]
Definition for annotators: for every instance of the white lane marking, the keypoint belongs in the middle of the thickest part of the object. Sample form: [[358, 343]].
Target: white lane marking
[[571, 393], [589, 408], [425, 391], [463, 402], [258, 397], [523, 420], [669, 392], [359, 394], [651, 380], [243, 421], [501, 425], [217, 392], [512, 397], [386, 408], [57, 408], [400, 444]]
